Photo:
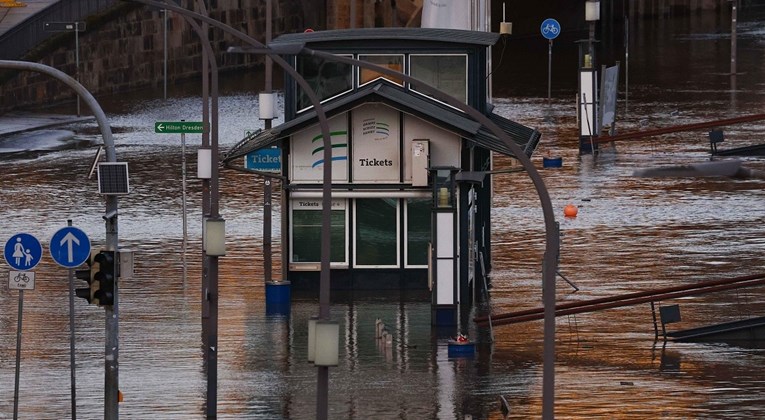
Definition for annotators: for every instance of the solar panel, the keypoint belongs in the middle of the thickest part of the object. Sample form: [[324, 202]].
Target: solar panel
[[113, 178]]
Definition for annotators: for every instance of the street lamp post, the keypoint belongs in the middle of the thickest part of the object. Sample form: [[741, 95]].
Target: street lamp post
[[592, 15], [111, 313], [588, 83], [210, 295], [552, 238], [552, 235]]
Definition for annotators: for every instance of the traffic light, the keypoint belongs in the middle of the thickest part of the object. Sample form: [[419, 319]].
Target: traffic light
[[88, 275], [104, 277]]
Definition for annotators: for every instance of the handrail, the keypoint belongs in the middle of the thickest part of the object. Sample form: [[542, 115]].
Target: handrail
[[627, 299], [486, 292]]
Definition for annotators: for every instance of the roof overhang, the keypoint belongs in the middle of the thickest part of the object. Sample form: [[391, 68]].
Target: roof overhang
[[405, 101], [341, 37]]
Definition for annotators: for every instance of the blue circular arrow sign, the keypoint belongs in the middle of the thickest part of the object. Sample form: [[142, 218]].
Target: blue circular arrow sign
[[23, 251], [550, 28], [70, 247]]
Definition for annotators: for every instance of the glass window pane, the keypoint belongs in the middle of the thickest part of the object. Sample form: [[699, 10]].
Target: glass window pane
[[393, 62], [417, 230], [326, 78], [306, 236], [447, 73], [376, 227]]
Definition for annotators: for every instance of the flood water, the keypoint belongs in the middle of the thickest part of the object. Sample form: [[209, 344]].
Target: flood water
[[631, 234]]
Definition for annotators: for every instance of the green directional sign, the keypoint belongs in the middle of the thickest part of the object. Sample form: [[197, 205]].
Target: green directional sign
[[179, 127]]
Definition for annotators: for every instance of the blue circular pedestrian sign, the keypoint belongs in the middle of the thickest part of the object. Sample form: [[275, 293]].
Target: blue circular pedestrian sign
[[550, 28], [23, 251], [70, 247]]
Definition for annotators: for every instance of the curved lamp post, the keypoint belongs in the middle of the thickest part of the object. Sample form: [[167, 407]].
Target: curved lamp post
[[111, 347], [323, 371], [552, 239]]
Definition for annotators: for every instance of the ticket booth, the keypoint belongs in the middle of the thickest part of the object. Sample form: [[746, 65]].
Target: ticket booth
[[404, 214]]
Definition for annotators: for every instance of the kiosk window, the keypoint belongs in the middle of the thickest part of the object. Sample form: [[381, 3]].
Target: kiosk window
[[328, 79], [377, 232], [418, 212], [306, 236], [447, 73], [393, 62]]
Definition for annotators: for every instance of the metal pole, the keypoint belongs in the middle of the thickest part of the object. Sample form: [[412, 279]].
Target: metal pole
[[214, 213], [210, 199], [183, 202], [164, 69], [627, 62], [72, 367], [111, 237], [549, 70], [209, 344], [111, 344], [77, 59], [733, 19], [267, 208], [18, 358], [267, 264]]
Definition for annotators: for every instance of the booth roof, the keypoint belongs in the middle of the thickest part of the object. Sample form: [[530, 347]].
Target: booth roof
[[342, 37], [420, 106]]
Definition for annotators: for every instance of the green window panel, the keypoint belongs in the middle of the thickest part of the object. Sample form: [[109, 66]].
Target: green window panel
[[418, 212], [306, 236], [377, 231]]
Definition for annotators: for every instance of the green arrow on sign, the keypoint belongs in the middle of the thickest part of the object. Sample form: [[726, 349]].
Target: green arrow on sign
[[179, 127]]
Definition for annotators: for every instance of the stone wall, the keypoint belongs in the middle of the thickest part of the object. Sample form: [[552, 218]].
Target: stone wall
[[123, 49]]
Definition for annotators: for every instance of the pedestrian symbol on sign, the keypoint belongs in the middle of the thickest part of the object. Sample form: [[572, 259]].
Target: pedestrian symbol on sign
[[23, 251]]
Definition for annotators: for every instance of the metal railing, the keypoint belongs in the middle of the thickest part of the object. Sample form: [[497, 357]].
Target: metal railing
[[18, 41]]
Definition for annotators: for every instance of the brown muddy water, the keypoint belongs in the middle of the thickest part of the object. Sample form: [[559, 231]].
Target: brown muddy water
[[631, 234]]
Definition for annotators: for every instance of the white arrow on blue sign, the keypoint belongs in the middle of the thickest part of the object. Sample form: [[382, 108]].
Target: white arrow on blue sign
[[70, 247], [23, 251]]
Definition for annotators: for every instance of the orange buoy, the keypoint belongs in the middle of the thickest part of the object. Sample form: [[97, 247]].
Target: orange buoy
[[570, 210]]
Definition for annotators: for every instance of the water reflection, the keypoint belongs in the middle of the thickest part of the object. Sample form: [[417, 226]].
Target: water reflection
[[630, 234]]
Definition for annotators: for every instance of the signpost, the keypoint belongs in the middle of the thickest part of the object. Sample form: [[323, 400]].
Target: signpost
[[22, 252], [550, 29], [181, 127], [21, 280], [178, 127], [70, 248]]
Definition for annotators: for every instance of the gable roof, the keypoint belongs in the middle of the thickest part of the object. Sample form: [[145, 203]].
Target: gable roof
[[406, 101], [345, 36]]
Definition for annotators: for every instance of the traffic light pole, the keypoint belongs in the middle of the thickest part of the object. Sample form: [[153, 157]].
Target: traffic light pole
[[112, 312], [111, 343]]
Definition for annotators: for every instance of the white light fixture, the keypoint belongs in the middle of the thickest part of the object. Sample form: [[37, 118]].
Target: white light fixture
[[327, 343], [312, 338], [266, 106], [215, 237], [591, 11], [204, 163]]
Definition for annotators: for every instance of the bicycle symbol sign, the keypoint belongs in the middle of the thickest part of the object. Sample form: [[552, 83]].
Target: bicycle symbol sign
[[21, 280], [550, 28]]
